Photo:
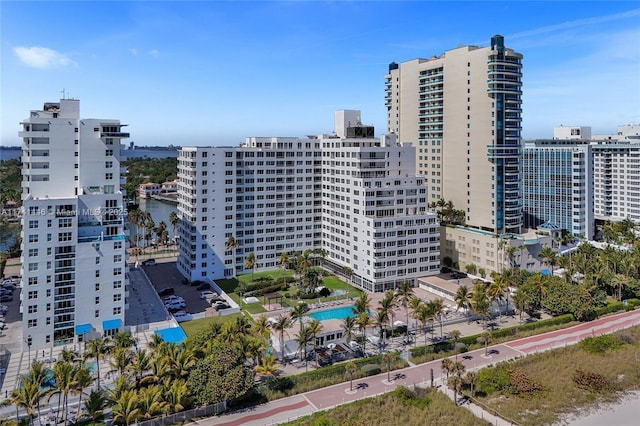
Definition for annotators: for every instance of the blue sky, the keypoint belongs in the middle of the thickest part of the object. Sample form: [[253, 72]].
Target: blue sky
[[212, 73]]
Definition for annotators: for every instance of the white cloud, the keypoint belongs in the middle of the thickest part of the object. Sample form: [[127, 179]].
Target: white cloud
[[133, 51], [154, 52], [42, 57]]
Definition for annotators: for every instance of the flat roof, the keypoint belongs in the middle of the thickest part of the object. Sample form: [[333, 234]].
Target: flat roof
[[440, 283]]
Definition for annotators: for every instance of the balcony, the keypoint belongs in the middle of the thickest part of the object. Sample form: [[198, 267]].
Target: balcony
[[114, 135]]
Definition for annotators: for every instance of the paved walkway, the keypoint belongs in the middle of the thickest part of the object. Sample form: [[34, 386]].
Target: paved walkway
[[287, 409]]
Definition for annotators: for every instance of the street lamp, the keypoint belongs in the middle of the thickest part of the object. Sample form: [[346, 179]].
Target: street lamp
[[29, 342]]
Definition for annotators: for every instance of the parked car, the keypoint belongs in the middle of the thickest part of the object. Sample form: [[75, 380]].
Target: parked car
[[4, 309], [445, 269], [6, 298], [207, 294], [204, 286], [197, 283], [181, 316], [175, 305], [167, 291], [9, 287], [172, 299], [219, 304], [148, 262]]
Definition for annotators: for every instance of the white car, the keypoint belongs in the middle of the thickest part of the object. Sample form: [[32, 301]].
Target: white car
[[208, 294], [173, 299], [174, 306], [181, 316]]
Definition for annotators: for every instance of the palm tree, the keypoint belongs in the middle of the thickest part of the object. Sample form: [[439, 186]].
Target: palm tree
[[424, 315], [404, 293], [455, 335], [471, 378], [497, 290], [480, 301], [520, 301], [486, 337], [123, 339], [174, 220], [232, 244], [284, 260], [388, 358], [63, 377], [349, 326], [98, 348], [250, 263], [446, 366], [94, 405], [361, 304], [303, 339], [176, 396], [135, 218], [549, 257], [363, 320], [121, 359], [315, 327], [387, 305], [281, 325], [380, 318], [437, 309], [462, 298], [299, 312], [140, 365], [27, 395], [268, 367], [83, 378], [150, 402], [350, 368], [125, 407]]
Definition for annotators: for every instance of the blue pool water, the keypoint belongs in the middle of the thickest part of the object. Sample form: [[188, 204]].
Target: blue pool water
[[335, 313]]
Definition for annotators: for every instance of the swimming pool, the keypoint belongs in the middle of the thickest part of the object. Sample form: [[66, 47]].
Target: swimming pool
[[335, 313]]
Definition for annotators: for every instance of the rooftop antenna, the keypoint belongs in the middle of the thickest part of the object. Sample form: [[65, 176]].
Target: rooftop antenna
[[63, 93]]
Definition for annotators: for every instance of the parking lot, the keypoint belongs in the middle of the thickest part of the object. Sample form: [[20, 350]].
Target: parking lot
[[165, 275]]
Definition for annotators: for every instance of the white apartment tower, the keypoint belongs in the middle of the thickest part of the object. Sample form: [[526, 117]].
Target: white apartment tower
[[354, 196], [463, 112], [73, 235]]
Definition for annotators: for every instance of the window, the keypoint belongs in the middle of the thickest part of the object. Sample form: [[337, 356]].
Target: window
[[33, 295], [108, 152], [98, 274], [33, 266], [33, 309], [64, 236], [97, 300], [108, 176], [97, 313], [32, 323], [97, 286], [33, 252], [33, 280], [33, 238], [117, 271], [117, 297], [117, 310], [33, 224], [117, 284]]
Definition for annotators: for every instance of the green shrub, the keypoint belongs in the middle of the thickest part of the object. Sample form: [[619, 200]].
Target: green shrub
[[599, 345], [370, 369], [492, 380], [408, 397]]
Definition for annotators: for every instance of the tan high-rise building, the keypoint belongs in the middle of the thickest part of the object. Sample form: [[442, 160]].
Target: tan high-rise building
[[463, 112]]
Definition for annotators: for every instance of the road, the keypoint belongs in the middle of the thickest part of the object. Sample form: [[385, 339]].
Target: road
[[287, 409]]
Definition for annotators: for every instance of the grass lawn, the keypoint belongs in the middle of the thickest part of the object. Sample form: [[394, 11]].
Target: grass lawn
[[195, 326], [555, 371], [400, 407], [332, 282]]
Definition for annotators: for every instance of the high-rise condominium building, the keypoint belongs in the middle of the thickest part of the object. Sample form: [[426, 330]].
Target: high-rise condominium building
[[73, 236], [463, 112], [352, 197], [558, 185]]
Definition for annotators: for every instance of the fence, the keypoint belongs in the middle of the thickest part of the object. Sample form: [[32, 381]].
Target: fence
[[184, 416]]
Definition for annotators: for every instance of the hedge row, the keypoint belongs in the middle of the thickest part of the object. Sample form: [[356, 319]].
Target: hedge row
[[266, 282], [510, 331], [628, 305], [366, 365]]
